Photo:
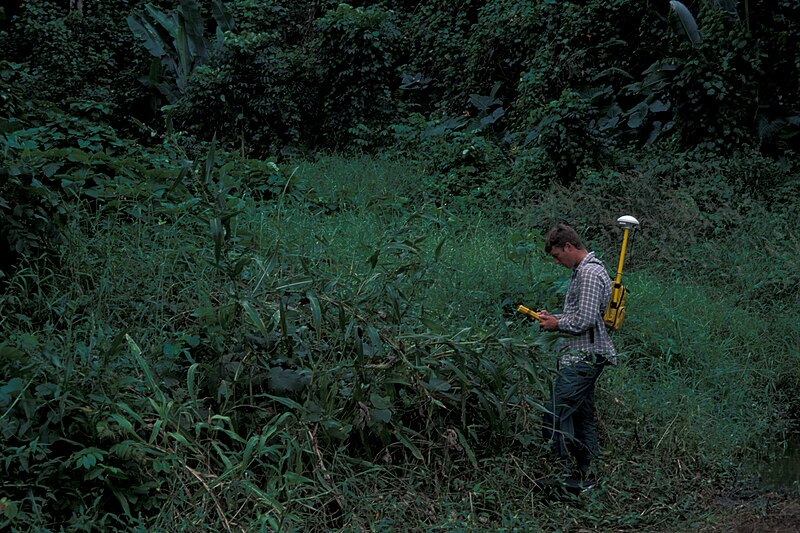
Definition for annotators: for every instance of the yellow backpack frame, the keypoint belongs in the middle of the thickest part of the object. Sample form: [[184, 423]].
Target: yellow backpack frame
[[615, 312]]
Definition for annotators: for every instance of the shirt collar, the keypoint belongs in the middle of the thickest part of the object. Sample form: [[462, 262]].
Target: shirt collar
[[589, 257]]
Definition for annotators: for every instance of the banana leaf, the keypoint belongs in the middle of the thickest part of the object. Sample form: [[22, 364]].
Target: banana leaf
[[686, 22]]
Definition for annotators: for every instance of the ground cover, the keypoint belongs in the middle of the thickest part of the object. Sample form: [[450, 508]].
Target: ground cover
[[334, 353]]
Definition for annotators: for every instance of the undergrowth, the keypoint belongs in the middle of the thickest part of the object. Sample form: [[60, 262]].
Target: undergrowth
[[327, 352]]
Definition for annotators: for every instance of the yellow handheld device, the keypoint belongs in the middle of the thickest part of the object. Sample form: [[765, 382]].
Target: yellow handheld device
[[615, 313], [525, 311]]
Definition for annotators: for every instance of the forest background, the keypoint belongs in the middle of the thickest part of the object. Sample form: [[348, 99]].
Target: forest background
[[260, 260]]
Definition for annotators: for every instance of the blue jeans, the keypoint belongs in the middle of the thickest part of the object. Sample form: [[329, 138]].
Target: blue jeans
[[570, 424]]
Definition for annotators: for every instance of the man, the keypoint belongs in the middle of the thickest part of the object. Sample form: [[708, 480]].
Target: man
[[582, 355]]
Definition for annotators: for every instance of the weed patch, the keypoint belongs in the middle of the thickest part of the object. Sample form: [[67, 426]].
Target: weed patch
[[318, 352]]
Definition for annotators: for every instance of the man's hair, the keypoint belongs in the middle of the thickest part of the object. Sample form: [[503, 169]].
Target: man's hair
[[559, 236]]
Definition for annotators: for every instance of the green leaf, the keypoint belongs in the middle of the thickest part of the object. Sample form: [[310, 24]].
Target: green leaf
[[298, 283], [190, 381], [483, 103], [148, 373], [218, 236], [190, 32], [438, 252], [178, 438], [287, 379], [638, 115], [408, 444], [263, 496], [658, 106], [148, 35], [380, 402], [167, 22], [156, 430], [375, 341], [50, 169], [467, 448], [373, 259], [88, 457], [78, 156], [435, 384], [170, 349], [211, 156], [253, 443], [291, 404], [13, 385], [124, 423], [254, 317], [457, 371], [222, 455], [432, 326], [116, 347], [316, 312], [380, 415], [133, 414], [123, 500], [223, 17], [8, 508], [686, 21]]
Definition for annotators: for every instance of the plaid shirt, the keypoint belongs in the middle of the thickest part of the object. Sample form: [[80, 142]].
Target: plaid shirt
[[587, 298]]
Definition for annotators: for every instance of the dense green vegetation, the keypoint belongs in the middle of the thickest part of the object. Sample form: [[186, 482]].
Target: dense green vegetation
[[260, 260]]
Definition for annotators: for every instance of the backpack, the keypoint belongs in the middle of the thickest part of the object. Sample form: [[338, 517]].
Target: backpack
[[615, 312]]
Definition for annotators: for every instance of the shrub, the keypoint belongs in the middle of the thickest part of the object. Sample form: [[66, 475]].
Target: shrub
[[85, 53], [564, 134], [255, 92], [357, 52]]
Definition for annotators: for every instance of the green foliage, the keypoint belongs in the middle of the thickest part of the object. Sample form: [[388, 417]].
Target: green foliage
[[270, 94], [177, 41], [45, 164], [689, 346], [250, 338], [57, 425], [437, 33], [82, 53], [256, 91], [304, 75], [230, 343], [462, 163], [311, 348], [357, 51], [68, 163], [563, 137], [15, 107], [461, 169], [705, 88], [595, 49], [684, 22]]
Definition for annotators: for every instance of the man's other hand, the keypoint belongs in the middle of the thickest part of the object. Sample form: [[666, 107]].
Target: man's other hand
[[548, 322]]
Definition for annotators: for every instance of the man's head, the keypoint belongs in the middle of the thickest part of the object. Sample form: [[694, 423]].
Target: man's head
[[565, 246]]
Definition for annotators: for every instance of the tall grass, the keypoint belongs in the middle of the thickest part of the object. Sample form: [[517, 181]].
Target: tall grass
[[352, 361]]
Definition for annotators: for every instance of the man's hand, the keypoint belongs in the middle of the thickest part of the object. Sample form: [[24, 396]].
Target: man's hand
[[548, 322]]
